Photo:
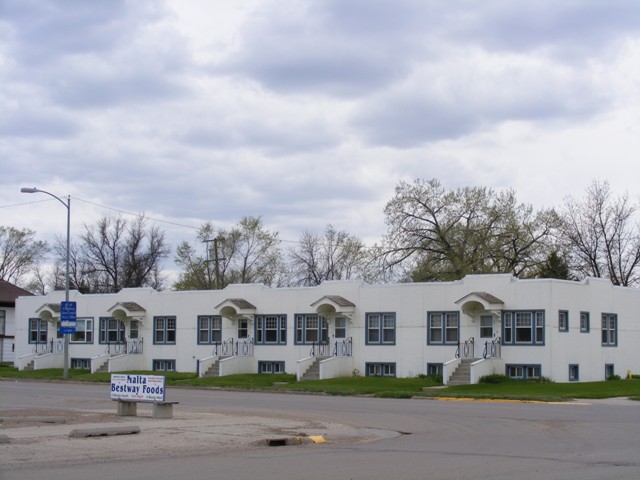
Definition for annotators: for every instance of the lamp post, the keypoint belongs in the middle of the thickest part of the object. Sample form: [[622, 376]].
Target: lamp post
[[67, 205]]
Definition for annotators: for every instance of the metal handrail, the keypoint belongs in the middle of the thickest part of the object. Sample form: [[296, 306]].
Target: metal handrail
[[492, 349], [320, 349], [343, 348], [244, 348], [466, 349]]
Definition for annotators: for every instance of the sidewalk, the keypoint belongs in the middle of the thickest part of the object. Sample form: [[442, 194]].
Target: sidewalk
[[33, 437]]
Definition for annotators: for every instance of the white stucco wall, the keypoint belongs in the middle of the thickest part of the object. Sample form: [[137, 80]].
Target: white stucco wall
[[409, 301]]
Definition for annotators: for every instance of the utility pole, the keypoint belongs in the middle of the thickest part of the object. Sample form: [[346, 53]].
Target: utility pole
[[217, 259]]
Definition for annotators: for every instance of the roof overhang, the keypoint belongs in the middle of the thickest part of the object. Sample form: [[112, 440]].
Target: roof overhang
[[235, 308], [127, 311], [49, 311], [334, 306], [476, 302]]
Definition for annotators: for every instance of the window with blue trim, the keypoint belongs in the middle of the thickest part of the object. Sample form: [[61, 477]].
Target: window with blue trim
[[523, 327], [164, 330], [311, 329], [80, 363], [563, 321], [37, 330], [584, 322], [609, 330], [271, 330], [111, 330], [443, 328], [381, 328], [574, 372], [523, 371], [164, 365], [380, 369], [209, 329], [270, 367]]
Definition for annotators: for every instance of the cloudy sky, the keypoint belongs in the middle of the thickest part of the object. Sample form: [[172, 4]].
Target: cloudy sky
[[308, 112]]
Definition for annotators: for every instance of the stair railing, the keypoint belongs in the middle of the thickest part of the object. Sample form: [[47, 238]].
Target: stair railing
[[320, 349], [492, 349], [343, 348], [227, 348], [466, 349], [244, 348]]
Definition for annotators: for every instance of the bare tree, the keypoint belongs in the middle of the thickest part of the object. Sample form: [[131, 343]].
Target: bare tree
[[334, 256], [445, 235], [114, 254], [19, 253], [601, 235]]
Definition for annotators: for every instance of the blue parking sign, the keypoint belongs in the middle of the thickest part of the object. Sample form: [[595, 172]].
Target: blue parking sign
[[67, 317]]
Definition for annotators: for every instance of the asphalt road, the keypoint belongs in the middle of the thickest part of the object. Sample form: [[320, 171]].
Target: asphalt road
[[437, 440]]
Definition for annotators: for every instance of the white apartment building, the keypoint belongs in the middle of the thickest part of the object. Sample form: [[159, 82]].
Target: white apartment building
[[482, 324]]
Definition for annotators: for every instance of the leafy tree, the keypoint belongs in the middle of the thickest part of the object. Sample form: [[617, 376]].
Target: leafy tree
[[554, 267], [245, 253], [445, 235], [334, 256], [20, 252], [114, 254], [601, 235]]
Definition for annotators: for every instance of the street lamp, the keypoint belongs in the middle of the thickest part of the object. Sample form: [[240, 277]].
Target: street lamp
[[67, 205]]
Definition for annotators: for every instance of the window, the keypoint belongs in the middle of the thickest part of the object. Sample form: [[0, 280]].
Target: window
[[84, 331], [311, 329], [523, 372], [574, 373], [486, 326], [164, 329], [523, 328], [37, 330], [80, 363], [340, 327], [271, 329], [609, 329], [381, 328], [243, 328], [134, 329], [164, 365], [609, 371], [3, 322], [584, 322], [443, 327], [111, 330], [58, 332], [434, 369], [270, 367], [209, 329], [563, 321], [380, 369]]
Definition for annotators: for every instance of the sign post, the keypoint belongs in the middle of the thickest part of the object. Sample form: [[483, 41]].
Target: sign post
[[68, 318]]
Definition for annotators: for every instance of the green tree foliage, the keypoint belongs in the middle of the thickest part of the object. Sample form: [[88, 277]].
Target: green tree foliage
[[20, 253], [245, 253], [444, 235], [554, 267]]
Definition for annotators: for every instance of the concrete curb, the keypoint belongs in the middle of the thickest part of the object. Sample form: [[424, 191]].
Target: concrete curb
[[103, 431]]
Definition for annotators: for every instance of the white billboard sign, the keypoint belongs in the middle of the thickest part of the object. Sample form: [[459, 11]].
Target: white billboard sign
[[137, 388]]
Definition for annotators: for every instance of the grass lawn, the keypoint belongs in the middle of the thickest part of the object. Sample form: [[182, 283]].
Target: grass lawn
[[373, 386]]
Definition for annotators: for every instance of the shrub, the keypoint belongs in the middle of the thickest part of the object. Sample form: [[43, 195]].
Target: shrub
[[614, 377], [494, 378]]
